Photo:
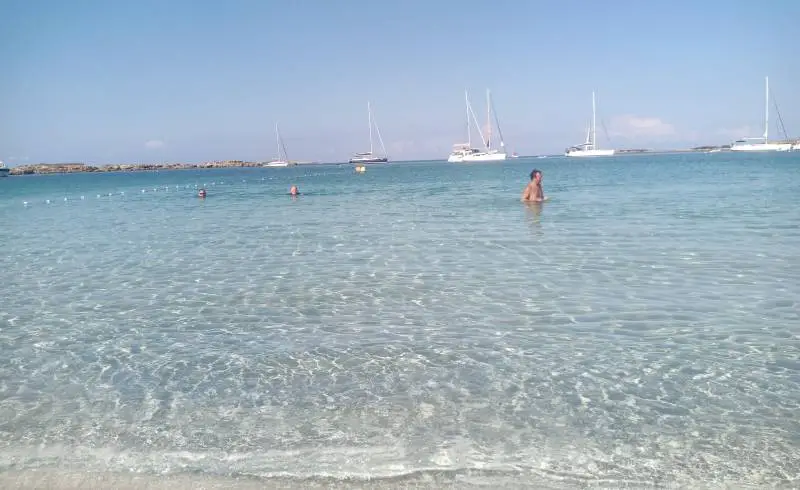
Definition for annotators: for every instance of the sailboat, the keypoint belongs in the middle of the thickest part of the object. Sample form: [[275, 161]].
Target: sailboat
[[283, 159], [589, 147], [743, 145], [464, 152], [369, 156]]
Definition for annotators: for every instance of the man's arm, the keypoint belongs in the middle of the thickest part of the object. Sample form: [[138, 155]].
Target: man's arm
[[526, 194]]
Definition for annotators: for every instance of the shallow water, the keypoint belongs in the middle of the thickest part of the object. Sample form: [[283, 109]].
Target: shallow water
[[413, 325]]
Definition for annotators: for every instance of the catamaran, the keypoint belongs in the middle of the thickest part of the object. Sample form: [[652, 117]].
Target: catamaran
[[283, 159], [743, 145], [464, 152], [589, 147], [369, 156]]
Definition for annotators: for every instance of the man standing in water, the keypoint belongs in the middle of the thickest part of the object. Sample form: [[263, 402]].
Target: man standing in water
[[533, 191]]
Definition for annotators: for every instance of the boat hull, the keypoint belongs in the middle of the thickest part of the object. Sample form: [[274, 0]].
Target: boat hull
[[369, 160], [477, 158], [589, 153], [762, 147], [455, 159], [4, 172]]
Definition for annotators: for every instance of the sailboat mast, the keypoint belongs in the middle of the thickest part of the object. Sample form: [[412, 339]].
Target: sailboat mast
[[380, 140], [278, 141], [283, 156], [477, 124], [488, 120], [499, 130], [594, 123], [469, 133], [369, 116], [766, 111]]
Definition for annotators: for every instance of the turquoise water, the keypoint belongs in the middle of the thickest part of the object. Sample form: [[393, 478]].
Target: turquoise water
[[413, 325]]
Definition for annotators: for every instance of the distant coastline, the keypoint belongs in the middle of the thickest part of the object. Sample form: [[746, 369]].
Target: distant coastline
[[69, 168]]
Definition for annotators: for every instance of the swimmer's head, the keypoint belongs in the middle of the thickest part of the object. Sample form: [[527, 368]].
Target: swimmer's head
[[536, 175], [293, 190]]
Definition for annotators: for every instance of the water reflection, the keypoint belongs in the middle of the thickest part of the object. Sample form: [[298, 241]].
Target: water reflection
[[533, 213]]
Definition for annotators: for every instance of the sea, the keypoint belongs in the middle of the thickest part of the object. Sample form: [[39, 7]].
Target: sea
[[415, 326]]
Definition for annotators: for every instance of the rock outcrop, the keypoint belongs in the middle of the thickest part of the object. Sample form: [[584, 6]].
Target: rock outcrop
[[66, 168]]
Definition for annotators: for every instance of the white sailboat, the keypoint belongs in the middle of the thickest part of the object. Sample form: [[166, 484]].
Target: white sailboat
[[744, 145], [589, 148], [283, 159], [464, 152], [369, 156]]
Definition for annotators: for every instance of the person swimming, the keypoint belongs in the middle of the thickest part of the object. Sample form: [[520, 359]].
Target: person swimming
[[201, 194], [294, 191], [533, 191]]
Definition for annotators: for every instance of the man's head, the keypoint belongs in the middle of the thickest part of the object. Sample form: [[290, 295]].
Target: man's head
[[536, 175]]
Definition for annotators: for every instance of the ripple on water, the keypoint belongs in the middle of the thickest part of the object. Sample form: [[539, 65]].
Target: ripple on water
[[609, 340]]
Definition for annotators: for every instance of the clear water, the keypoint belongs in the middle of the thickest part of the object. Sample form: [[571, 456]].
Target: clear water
[[413, 325]]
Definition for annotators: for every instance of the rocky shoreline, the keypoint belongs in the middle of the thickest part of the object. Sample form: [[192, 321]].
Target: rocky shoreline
[[69, 168]]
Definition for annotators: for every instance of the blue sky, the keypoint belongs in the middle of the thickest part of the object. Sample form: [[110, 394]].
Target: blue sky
[[182, 80]]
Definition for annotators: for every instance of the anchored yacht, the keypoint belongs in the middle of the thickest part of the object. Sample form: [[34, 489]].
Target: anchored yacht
[[465, 152], [753, 144], [370, 156], [589, 147]]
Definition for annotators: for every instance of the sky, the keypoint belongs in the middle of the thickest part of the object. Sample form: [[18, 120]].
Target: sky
[[102, 81]]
